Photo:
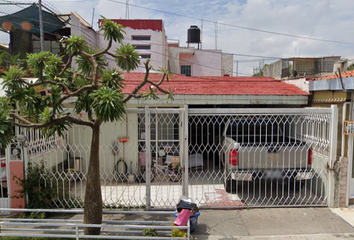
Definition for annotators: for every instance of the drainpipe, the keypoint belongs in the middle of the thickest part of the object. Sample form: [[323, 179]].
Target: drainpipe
[[344, 113]]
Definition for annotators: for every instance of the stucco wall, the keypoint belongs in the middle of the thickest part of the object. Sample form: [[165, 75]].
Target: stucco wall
[[173, 60], [227, 64], [273, 70], [300, 83], [157, 42], [78, 28], [203, 62], [80, 143]]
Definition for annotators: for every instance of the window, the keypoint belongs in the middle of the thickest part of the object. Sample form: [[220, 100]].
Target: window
[[145, 56], [141, 38], [142, 47], [186, 70]]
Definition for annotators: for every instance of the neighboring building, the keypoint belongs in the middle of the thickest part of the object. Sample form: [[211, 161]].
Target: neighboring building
[[309, 67], [25, 35], [338, 89], [147, 36], [199, 62]]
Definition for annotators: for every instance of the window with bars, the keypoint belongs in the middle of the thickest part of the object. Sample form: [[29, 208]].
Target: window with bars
[[186, 70]]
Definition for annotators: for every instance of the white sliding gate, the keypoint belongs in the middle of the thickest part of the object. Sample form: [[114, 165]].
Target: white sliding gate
[[157, 155]]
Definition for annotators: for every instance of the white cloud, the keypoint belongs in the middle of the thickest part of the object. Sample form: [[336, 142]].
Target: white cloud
[[327, 19]]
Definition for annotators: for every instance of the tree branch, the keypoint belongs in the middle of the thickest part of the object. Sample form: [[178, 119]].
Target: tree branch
[[66, 66], [104, 50], [158, 87], [135, 91], [47, 82], [77, 92]]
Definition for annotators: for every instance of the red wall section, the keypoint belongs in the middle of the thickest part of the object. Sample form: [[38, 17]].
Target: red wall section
[[155, 25], [16, 170]]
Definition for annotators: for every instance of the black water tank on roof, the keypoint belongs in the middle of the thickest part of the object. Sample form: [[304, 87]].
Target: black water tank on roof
[[193, 35]]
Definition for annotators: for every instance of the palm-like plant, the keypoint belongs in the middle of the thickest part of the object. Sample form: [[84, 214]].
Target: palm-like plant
[[98, 92]]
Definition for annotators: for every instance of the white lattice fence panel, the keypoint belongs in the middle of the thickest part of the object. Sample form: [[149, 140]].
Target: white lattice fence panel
[[270, 151]]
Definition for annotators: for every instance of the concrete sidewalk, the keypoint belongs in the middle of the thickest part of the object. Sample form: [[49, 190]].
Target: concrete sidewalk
[[275, 224]]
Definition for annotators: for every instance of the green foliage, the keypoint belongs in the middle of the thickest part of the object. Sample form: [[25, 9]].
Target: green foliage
[[92, 88], [6, 128], [43, 188], [108, 104], [112, 78], [127, 57], [74, 44], [350, 67], [179, 232], [12, 83], [38, 195], [37, 61], [86, 66], [52, 67], [150, 232], [112, 31], [7, 60]]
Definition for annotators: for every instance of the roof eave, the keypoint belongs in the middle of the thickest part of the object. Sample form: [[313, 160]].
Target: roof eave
[[332, 84]]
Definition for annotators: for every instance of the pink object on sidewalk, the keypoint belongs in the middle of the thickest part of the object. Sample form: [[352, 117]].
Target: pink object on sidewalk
[[182, 218]]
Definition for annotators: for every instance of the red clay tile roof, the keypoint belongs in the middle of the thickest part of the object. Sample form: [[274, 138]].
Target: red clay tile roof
[[344, 75], [183, 85]]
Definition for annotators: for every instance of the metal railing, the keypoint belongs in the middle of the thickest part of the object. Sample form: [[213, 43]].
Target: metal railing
[[71, 228]]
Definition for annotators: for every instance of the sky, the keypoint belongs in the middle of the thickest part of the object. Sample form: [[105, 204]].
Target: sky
[[256, 31]]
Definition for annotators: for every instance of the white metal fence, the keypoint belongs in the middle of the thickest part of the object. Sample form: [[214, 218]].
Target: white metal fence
[[157, 155], [114, 226]]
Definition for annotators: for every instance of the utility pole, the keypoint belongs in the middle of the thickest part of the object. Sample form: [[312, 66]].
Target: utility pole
[[93, 16], [216, 34], [41, 24], [237, 68], [127, 9]]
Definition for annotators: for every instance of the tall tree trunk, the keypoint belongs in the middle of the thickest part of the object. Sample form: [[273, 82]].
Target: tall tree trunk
[[93, 195]]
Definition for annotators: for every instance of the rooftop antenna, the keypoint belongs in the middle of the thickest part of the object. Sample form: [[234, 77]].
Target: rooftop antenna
[[216, 34], [201, 35], [93, 15], [127, 9]]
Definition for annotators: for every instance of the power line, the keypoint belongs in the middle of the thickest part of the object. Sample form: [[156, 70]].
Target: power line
[[237, 26]]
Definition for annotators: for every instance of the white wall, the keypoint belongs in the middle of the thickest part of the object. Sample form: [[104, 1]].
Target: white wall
[[203, 62], [81, 28], [80, 144], [300, 83], [158, 49]]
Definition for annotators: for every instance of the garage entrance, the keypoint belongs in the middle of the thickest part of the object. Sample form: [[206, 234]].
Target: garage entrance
[[260, 157]]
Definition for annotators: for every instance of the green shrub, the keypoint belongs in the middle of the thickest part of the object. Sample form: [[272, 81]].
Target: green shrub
[[45, 189], [150, 232]]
